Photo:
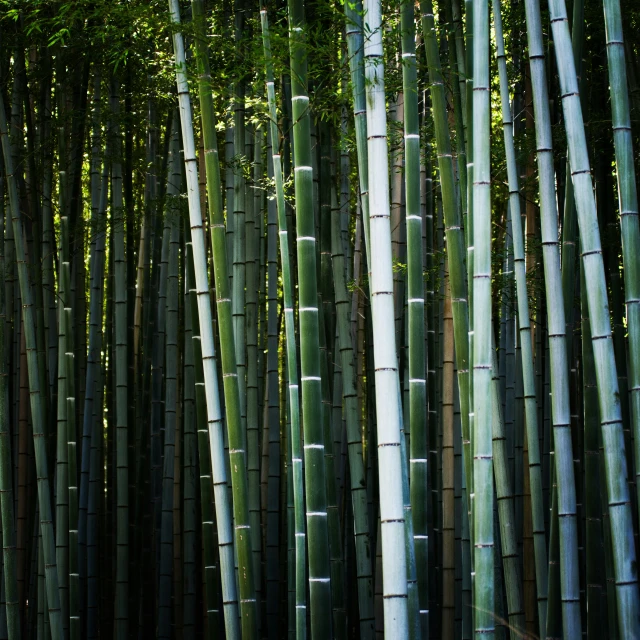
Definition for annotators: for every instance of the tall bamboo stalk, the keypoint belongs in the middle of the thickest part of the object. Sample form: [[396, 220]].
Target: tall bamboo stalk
[[315, 486], [628, 202], [558, 366], [44, 501], [483, 526], [214, 414], [453, 228], [415, 295], [388, 409], [293, 394], [9, 568], [531, 420], [628, 597]]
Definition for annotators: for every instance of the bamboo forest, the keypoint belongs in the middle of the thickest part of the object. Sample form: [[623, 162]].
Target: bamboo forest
[[319, 319]]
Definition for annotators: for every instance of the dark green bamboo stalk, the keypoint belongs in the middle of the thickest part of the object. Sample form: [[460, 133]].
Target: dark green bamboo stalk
[[44, 501], [214, 414], [354, 437], [273, 406], [417, 418], [204, 462], [453, 229], [293, 395], [189, 467], [628, 202], [531, 421], [172, 221], [231, 375], [9, 568], [121, 609], [314, 466]]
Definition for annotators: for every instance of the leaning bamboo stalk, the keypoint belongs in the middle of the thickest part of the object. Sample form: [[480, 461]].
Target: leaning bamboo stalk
[[214, 414], [624, 556], [388, 409], [558, 368]]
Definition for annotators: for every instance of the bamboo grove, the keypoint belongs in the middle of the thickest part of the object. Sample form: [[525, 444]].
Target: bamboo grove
[[319, 319]]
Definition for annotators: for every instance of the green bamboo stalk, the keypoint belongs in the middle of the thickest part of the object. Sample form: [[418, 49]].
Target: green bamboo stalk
[[121, 609], [610, 414], [314, 465], [448, 488], [355, 52], [595, 570], [506, 511], [74, 575], [44, 501], [231, 374], [273, 407], [251, 332], [453, 229], [558, 366], [189, 463], [214, 415], [482, 508], [240, 139], [204, 461], [62, 459], [293, 395], [531, 421], [628, 202], [333, 522], [172, 355], [418, 453], [388, 409], [6, 492], [354, 437]]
